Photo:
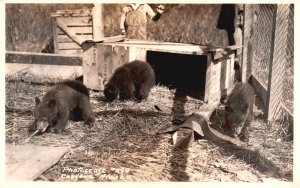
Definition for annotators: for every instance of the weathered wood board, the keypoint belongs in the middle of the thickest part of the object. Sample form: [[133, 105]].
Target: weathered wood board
[[27, 162], [44, 71], [44, 65], [219, 77], [42, 58]]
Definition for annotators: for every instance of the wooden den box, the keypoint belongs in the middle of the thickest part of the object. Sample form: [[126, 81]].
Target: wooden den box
[[210, 68]]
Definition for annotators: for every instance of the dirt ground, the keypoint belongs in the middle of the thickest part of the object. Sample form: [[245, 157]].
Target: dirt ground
[[123, 144]]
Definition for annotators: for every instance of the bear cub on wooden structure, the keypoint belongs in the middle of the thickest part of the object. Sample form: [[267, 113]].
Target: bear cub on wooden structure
[[67, 100], [132, 80], [239, 110]]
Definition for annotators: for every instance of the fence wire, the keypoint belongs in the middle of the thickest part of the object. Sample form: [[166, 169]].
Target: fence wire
[[269, 51], [261, 41], [288, 82]]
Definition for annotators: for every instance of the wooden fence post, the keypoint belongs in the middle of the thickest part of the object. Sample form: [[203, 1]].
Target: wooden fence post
[[277, 60], [98, 29], [246, 59]]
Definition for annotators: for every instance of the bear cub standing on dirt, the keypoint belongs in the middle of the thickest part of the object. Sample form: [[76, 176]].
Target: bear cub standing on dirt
[[132, 80], [239, 110], [67, 100]]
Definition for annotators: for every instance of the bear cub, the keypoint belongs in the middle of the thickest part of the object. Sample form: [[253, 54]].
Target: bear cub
[[67, 100], [132, 80], [239, 110]]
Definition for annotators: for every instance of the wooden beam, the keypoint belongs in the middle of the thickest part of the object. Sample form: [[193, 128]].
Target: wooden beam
[[277, 60], [66, 38], [54, 30], [98, 28], [42, 58]]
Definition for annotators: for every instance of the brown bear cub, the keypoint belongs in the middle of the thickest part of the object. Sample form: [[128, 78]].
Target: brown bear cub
[[132, 80], [67, 100], [239, 110]]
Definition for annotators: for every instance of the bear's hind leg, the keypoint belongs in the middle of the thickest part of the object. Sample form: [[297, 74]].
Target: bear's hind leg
[[142, 92]]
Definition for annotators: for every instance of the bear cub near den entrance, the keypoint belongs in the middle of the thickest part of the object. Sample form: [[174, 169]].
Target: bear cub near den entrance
[[132, 80], [239, 110], [67, 100]]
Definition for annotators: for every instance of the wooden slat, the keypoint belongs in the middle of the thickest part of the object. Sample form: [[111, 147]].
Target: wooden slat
[[27, 162], [70, 32], [69, 45], [82, 30], [66, 38], [41, 58], [76, 30], [72, 13], [77, 21]]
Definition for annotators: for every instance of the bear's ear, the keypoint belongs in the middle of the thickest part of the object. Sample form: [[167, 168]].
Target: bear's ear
[[37, 100], [51, 103]]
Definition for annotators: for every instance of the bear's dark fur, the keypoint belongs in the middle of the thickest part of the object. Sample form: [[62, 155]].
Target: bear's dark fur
[[239, 110], [67, 100], [133, 80]]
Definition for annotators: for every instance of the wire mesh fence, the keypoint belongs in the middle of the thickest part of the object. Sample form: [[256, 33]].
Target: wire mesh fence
[[262, 38], [269, 52], [288, 86]]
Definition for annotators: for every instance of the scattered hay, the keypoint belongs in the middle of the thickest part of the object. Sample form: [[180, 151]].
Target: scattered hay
[[122, 145]]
